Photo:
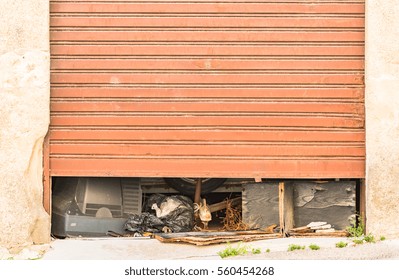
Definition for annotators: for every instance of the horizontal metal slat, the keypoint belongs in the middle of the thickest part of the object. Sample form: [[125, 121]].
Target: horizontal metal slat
[[212, 8], [200, 78], [286, 92], [259, 106], [206, 22], [223, 168], [248, 121], [193, 150], [206, 50], [208, 135], [205, 64], [207, 36]]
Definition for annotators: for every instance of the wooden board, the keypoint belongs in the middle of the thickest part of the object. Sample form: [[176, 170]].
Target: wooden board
[[260, 204], [300, 203], [332, 202], [286, 207]]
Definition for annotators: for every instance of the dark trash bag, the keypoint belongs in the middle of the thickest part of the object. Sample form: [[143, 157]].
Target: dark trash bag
[[161, 212]]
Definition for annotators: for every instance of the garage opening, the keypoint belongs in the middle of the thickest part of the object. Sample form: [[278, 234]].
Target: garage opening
[[116, 207]]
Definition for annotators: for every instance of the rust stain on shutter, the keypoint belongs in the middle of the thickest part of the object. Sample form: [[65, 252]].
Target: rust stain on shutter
[[230, 88]]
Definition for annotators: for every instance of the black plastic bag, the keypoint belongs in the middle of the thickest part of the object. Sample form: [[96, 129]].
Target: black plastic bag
[[163, 214], [144, 222]]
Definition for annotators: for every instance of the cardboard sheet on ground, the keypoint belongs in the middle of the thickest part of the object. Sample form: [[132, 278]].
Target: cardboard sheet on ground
[[214, 237]]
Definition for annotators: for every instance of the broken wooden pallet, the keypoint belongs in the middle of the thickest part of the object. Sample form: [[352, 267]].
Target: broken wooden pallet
[[209, 237]]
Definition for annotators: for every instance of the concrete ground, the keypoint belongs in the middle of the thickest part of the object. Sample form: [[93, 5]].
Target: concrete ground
[[133, 257], [151, 249]]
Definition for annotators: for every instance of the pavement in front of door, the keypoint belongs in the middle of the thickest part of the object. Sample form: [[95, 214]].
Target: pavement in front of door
[[152, 249]]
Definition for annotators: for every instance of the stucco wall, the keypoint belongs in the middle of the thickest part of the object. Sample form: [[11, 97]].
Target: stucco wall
[[382, 117], [24, 120]]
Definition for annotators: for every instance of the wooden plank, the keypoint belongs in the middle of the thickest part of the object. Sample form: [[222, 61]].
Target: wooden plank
[[215, 106], [260, 204], [362, 201], [286, 207], [206, 22], [303, 229], [281, 207], [208, 78], [207, 167], [166, 35], [331, 202], [285, 92], [315, 195], [205, 64], [209, 8], [222, 205], [112, 49]]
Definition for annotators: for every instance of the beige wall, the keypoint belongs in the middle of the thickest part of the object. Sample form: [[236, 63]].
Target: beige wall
[[24, 119], [382, 117]]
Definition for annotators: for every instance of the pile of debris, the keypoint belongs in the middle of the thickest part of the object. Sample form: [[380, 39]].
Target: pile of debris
[[317, 229]]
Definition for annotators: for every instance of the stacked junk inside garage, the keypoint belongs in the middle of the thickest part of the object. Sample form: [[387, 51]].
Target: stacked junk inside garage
[[232, 210], [207, 121]]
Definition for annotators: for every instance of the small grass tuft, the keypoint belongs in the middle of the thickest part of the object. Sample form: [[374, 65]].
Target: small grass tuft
[[267, 250], [358, 241], [356, 230], [293, 247], [314, 247], [256, 251], [231, 251], [369, 238], [341, 244], [382, 238]]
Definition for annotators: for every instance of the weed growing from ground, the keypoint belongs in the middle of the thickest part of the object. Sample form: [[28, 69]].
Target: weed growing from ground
[[341, 244], [356, 230], [358, 241], [233, 251], [382, 238], [256, 251], [314, 247], [293, 247], [369, 238], [267, 250], [240, 250]]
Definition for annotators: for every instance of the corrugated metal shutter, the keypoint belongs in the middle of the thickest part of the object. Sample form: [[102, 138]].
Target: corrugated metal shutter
[[232, 88]]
